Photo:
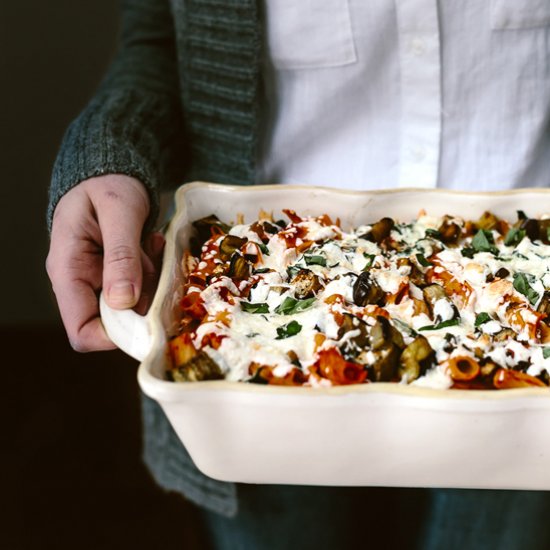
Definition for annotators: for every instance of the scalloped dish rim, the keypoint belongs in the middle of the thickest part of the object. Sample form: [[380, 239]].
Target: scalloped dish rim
[[168, 390]]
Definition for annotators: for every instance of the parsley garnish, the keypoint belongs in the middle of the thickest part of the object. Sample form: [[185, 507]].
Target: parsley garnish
[[288, 330], [255, 308], [521, 284], [444, 324], [263, 248], [370, 260], [482, 318], [514, 236], [546, 352], [422, 260], [483, 242], [316, 260], [261, 270], [434, 233], [292, 271], [290, 305], [468, 252]]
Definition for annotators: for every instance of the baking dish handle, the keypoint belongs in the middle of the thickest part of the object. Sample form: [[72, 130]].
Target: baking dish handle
[[127, 329]]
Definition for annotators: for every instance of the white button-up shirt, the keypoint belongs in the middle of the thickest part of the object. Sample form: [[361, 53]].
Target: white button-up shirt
[[394, 93]]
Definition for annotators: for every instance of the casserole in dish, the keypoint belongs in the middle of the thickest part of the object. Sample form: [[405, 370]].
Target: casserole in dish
[[373, 434]]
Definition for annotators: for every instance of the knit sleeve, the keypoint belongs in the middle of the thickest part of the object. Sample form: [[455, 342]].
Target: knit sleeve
[[133, 124]]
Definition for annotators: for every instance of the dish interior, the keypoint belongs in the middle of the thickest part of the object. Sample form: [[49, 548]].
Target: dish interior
[[197, 200]]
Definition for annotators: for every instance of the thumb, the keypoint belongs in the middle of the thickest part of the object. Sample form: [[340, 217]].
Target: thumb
[[122, 268]]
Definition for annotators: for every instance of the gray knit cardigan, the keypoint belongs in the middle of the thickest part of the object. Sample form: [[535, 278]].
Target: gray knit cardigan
[[179, 102]]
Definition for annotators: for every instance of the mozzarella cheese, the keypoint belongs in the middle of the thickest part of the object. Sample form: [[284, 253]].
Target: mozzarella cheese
[[329, 332]]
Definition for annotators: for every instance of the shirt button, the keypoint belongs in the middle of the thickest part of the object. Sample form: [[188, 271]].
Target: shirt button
[[417, 46]]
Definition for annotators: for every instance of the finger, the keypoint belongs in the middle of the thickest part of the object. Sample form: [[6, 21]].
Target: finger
[[121, 227], [75, 283]]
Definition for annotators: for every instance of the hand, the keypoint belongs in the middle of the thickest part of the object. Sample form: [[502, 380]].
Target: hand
[[95, 244]]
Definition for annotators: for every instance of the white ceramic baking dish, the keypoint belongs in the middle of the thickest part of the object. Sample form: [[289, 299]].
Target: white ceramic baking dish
[[375, 434]]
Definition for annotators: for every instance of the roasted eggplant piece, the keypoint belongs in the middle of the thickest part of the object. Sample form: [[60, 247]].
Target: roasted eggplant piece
[[434, 293], [416, 358], [488, 221], [366, 291], [379, 230], [239, 268], [504, 334], [502, 273], [205, 227], [383, 332], [230, 244], [544, 231], [544, 305], [416, 277], [352, 347], [306, 284], [270, 228], [531, 228], [449, 230], [386, 344], [198, 368], [386, 363]]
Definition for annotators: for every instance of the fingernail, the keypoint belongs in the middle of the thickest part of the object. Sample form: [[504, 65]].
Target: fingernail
[[122, 294]]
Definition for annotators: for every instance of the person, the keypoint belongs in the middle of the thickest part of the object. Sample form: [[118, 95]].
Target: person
[[352, 94]]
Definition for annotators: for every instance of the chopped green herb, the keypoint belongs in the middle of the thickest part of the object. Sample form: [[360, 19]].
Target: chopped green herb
[[261, 270], [481, 318], [288, 330], [483, 242], [468, 252], [292, 271], [335, 265], [434, 233], [290, 305], [521, 284], [546, 352], [370, 260], [520, 255], [252, 334], [444, 324], [514, 236], [422, 260], [315, 260], [255, 308], [263, 248]]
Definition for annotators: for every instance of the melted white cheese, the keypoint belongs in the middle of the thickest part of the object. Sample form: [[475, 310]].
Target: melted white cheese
[[339, 258]]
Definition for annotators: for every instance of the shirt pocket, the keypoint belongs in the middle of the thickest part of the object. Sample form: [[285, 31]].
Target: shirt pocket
[[308, 34], [519, 14]]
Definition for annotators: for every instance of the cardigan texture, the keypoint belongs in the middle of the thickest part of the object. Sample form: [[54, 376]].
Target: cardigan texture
[[180, 102]]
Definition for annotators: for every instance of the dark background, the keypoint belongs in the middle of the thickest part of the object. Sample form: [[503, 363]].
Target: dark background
[[71, 471]]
